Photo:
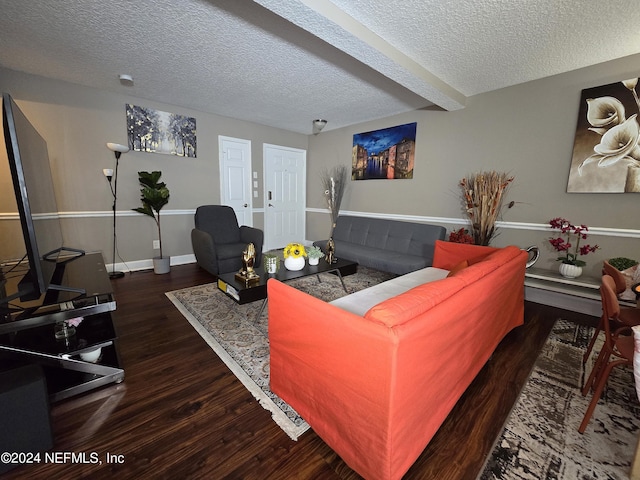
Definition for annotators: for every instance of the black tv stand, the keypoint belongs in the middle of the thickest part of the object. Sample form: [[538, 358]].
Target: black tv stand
[[27, 336], [54, 255]]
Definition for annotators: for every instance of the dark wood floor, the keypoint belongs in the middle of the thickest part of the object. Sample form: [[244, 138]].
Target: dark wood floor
[[180, 412]]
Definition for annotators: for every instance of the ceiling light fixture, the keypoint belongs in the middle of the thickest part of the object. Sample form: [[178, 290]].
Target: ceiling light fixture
[[318, 125], [126, 80]]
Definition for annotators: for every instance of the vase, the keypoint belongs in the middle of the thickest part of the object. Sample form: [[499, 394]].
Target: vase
[[314, 261], [294, 263], [271, 263], [161, 265], [570, 271]]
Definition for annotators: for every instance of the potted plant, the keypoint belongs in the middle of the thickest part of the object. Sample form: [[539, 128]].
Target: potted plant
[[623, 263], [271, 263], [571, 265], [294, 254], [314, 254], [154, 195]]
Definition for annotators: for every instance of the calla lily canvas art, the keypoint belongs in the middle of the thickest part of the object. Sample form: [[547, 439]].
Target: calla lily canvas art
[[606, 154]]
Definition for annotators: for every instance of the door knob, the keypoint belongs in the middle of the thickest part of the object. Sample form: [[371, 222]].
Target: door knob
[[245, 205], [270, 205]]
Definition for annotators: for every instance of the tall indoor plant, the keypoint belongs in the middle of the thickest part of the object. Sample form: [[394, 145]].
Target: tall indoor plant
[[154, 195]]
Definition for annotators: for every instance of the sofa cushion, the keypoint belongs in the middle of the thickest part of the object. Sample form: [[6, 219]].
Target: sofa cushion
[[490, 263], [402, 237], [406, 306], [361, 301], [380, 259], [449, 254], [230, 250], [402, 308]]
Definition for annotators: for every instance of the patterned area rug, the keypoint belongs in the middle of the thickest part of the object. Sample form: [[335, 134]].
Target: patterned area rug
[[241, 340], [541, 439]]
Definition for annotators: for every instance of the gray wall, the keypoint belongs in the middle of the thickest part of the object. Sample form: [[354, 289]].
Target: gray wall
[[76, 122], [527, 130]]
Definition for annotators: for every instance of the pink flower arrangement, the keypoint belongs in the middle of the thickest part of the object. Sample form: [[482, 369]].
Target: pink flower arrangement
[[74, 322], [570, 251]]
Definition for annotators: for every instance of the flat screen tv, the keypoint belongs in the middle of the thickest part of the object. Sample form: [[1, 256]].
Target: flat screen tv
[[37, 207]]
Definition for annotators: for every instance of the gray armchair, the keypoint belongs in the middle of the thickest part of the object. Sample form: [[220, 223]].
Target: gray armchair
[[218, 241]]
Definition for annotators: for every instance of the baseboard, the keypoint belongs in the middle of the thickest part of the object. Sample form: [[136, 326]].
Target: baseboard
[[139, 265], [588, 306]]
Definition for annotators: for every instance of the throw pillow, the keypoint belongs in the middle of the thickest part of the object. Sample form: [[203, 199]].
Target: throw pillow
[[458, 267]]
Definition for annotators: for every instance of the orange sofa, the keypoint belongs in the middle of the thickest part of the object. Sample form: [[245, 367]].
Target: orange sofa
[[377, 387]]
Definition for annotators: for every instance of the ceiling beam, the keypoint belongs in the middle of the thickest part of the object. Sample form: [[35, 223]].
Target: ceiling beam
[[326, 21]]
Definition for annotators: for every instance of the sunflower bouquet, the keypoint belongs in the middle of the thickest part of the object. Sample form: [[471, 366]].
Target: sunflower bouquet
[[295, 250]]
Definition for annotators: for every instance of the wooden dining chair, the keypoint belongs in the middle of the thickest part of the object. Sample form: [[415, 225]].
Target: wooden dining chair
[[629, 316], [617, 349], [618, 277]]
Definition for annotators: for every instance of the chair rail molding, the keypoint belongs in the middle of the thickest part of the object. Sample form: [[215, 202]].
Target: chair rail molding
[[543, 227]]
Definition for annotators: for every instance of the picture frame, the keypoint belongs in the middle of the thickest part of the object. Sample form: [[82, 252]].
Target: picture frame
[[154, 131], [606, 155], [386, 154]]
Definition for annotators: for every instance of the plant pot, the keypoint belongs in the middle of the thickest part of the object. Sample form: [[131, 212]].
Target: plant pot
[[314, 261], [294, 263], [271, 263], [161, 265], [570, 271]]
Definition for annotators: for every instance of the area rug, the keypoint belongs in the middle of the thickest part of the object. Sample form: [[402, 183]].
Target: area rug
[[541, 440], [240, 338]]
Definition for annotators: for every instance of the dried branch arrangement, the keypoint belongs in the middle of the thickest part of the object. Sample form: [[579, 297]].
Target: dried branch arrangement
[[483, 194], [334, 182]]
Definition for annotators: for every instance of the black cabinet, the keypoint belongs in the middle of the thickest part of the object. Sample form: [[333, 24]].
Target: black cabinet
[[74, 364]]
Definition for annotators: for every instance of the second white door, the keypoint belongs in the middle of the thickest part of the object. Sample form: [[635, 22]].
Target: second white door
[[285, 195]]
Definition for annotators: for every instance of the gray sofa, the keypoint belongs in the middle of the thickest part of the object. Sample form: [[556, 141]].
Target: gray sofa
[[387, 245]]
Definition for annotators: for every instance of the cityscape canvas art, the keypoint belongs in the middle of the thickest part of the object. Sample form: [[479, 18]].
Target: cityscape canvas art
[[150, 130], [384, 154], [606, 155]]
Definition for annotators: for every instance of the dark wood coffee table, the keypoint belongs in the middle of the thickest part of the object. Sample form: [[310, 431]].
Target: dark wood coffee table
[[242, 293]]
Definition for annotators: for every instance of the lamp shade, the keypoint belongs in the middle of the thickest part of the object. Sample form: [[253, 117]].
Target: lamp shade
[[116, 147], [319, 124]]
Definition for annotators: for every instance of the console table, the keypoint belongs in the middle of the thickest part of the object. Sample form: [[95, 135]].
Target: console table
[[580, 294], [28, 337]]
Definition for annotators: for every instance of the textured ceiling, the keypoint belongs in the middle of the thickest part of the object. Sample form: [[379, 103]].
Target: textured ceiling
[[285, 62]]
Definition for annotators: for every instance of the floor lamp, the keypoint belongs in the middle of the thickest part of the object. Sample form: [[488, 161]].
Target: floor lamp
[[109, 173]]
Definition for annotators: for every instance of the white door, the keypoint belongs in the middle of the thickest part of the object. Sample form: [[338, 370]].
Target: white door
[[235, 177], [285, 197]]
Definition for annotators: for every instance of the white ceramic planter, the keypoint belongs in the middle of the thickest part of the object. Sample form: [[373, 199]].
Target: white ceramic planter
[[161, 265], [271, 264], [314, 261], [570, 271], [293, 263]]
